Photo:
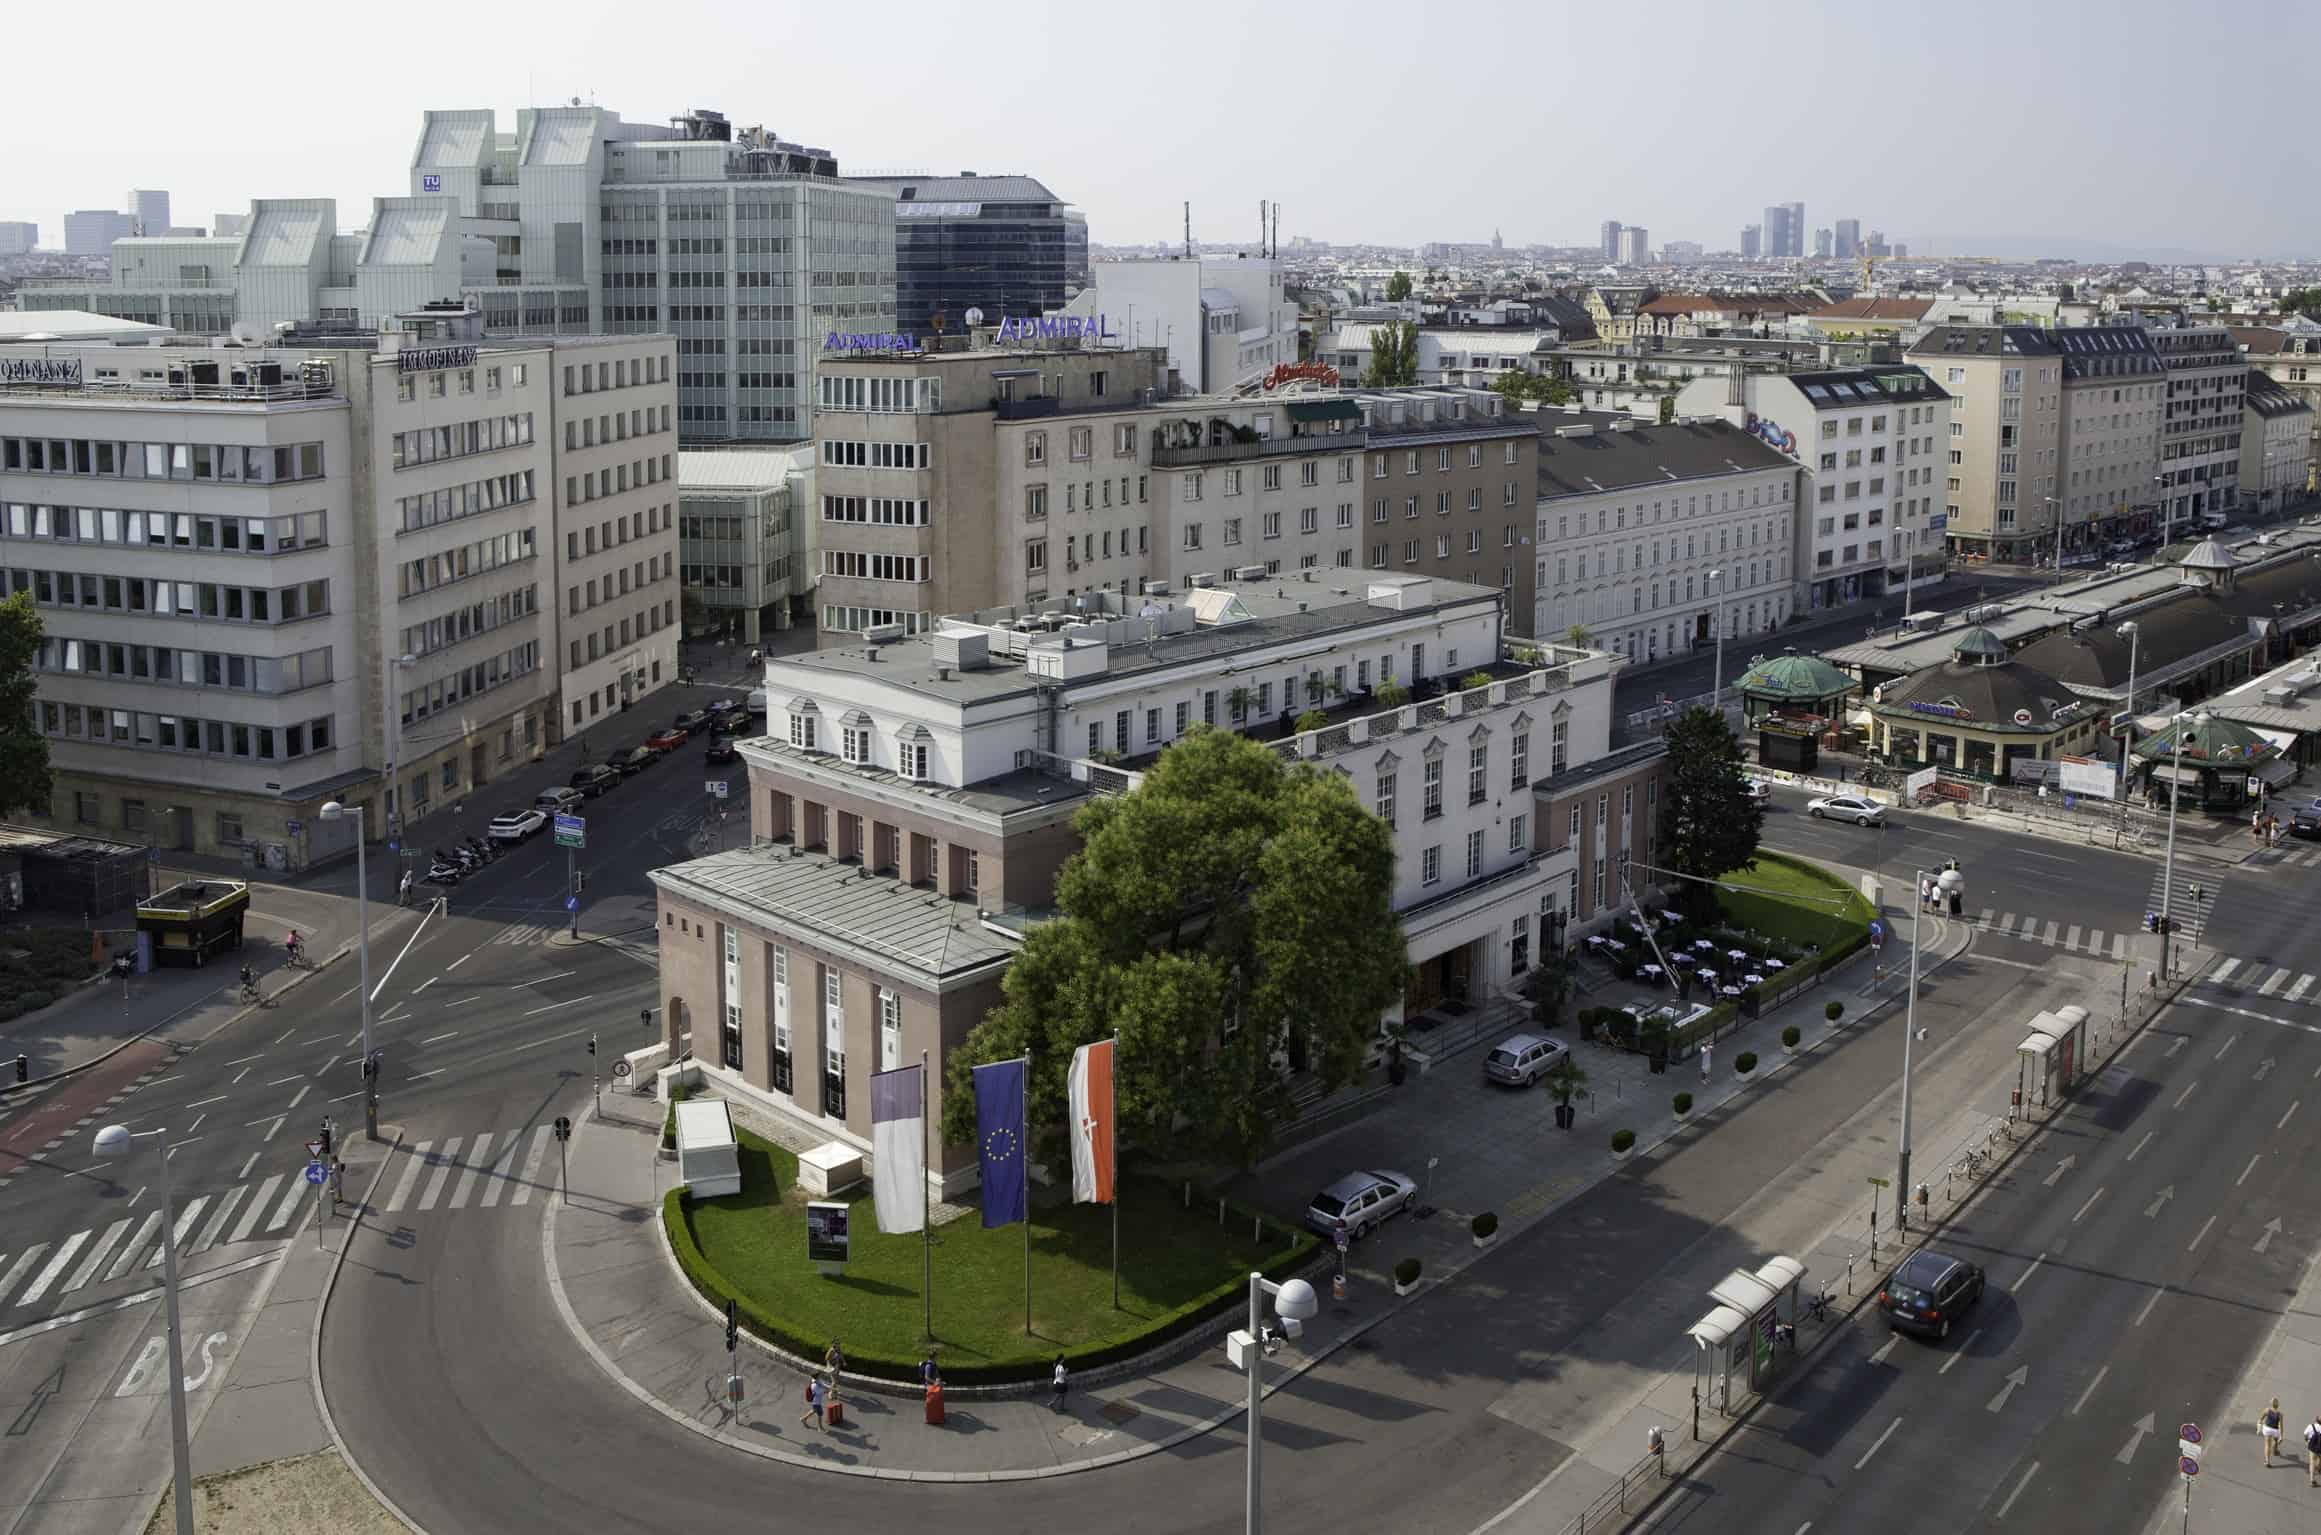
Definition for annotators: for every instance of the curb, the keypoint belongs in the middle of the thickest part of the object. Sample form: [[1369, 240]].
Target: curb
[[314, 1350], [1733, 1424]]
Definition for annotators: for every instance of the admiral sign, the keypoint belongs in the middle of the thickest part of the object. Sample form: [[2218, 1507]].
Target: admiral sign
[[1310, 372], [428, 359], [1057, 327], [1942, 711], [883, 341], [44, 372]]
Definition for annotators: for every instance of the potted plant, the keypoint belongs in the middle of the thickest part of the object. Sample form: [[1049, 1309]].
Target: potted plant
[[1312, 719], [1745, 1062], [1563, 1082], [1241, 700], [1789, 1038], [1834, 1011], [1683, 1104], [1392, 695], [1623, 1142], [1485, 1228], [1473, 680], [1406, 1276]]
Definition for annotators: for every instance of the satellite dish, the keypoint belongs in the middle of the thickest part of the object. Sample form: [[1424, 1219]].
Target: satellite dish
[[246, 334], [974, 317]]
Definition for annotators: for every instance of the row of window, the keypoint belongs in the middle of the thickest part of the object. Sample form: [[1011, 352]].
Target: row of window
[[488, 494], [878, 455], [165, 530], [177, 733], [880, 511], [430, 571], [875, 567], [476, 618], [617, 426], [881, 394], [612, 480], [468, 681], [616, 531], [614, 373], [618, 582], [428, 444], [603, 642], [162, 460], [185, 668], [852, 619], [1430, 860], [174, 599]]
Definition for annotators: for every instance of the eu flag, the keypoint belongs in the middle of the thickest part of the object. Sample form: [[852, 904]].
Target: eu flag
[[999, 1141]]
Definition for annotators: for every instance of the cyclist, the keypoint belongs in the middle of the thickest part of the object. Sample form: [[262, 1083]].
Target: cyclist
[[249, 984], [294, 947]]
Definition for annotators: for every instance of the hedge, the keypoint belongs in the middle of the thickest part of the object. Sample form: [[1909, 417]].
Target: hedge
[[774, 1330]]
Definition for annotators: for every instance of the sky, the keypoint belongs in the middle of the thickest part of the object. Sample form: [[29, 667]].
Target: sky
[[2050, 128]]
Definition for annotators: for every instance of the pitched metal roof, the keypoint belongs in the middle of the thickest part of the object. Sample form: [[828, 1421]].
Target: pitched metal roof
[[948, 189], [1986, 341], [1647, 454]]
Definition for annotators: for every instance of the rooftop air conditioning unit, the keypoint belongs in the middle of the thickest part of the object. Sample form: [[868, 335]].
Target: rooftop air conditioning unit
[[1156, 588], [1250, 573], [1201, 578], [2281, 697]]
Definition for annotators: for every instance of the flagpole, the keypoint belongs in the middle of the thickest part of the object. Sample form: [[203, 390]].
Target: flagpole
[[926, 1225], [1024, 1128], [1114, 1150]]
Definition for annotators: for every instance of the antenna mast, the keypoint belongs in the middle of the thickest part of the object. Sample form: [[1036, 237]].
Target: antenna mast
[[1188, 231]]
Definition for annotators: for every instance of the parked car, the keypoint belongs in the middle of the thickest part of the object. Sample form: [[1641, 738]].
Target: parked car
[[633, 761], [1522, 1059], [756, 702], [1930, 1291], [1359, 1202], [2305, 820], [721, 749], [691, 720], [595, 779], [729, 718], [668, 740], [516, 825], [1847, 807], [2120, 546], [1758, 789], [558, 801]]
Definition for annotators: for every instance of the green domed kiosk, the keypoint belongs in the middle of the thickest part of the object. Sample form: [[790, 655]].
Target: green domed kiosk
[[1791, 700], [2216, 766]]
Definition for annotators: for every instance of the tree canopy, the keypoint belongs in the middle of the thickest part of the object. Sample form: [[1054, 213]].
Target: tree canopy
[[1516, 386], [1227, 906], [24, 773], [1393, 355], [2304, 301], [1398, 287], [1708, 824]]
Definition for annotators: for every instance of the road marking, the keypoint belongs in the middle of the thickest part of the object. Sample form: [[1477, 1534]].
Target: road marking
[[2226, 1007], [433, 1038], [551, 1007], [2071, 938], [2090, 1391], [2227, 1045], [1881, 1444], [2083, 1209], [2273, 982], [2018, 1492], [1959, 1352], [246, 1166], [192, 1213], [97, 1255], [2149, 1304], [353, 1040], [443, 1169], [343, 1097], [2048, 937], [2181, 1041], [1886, 1348], [421, 1076], [2204, 1225], [196, 1125], [289, 1202], [2272, 1230], [2180, 1097], [217, 1222], [536, 980], [2033, 1269], [2019, 1375], [133, 1249], [413, 1160], [2140, 1145], [423, 985], [531, 1166], [56, 1265], [462, 1001], [286, 1033], [2244, 1172], [2304, 984], [237, 1082], [303, 1090], [199, 1102], [463, 959], [249, 1219], [239, 1059], [496, 1176], [2284, 1119], [2224, 971], [475, 1166]]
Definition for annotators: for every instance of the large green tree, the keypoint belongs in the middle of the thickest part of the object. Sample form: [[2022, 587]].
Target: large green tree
[[24, 775], [1516, 386], [2304, 301], [1398, 287], [1393, 355], [1227, 907], [1708, 824]]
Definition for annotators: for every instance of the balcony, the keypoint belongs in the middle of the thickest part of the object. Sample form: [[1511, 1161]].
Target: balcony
[[1233, 451], [1036, 408]]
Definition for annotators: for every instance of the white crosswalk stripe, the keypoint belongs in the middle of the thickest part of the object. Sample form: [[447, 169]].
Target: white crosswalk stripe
[[185, 1220], [64, 1255], [291, 1194], [448, 1158], [2071, 938], [249, 1220], [2224, 970], [2297, 992], [475, 1166], [2273, 982], [25, 1260], [134, 1248], [218, 1219], [98, 1254], [413, 1160], [532, 1159]]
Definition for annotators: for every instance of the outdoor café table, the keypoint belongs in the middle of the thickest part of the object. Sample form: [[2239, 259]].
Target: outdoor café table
[[1774, 964], [1597, 940], [1650, 972], [1705, 945], [1752, 978], [1737, 956], [1732, 991], [1706, 974]]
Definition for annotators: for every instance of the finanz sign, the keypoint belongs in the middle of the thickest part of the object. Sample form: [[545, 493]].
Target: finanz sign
[[1064, 327], [427, 359]]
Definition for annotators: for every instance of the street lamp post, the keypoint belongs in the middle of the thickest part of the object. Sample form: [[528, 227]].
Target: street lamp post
[[1946, 884], [2128, 731], [332, 811], [1295, 1303], [1717, 693], [2168, 866], [112, 1143], [2058, 515]]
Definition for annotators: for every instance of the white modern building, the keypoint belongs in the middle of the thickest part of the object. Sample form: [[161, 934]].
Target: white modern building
[[746, 537], [1223, 319], [1648, 533], [1461, 354]]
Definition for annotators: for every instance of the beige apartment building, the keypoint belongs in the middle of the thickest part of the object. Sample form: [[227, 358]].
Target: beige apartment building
[[2005, 384], [2276, 444], [2113, 388]]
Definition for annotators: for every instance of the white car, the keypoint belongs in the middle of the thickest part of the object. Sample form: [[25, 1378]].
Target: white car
[[1758, 789], [1847, 807], [516, 825]]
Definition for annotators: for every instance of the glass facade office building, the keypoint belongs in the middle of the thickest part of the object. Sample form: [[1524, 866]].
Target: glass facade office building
[[1001, 244]]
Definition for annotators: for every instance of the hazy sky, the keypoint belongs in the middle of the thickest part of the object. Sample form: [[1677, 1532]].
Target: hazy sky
[[2045, 127]]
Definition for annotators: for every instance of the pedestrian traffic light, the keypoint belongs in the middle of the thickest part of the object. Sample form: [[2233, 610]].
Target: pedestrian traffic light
[[732, 1327], [592, 1044], [563, 1128]]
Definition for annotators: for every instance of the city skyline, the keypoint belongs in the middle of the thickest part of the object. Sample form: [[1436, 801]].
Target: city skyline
[[2019, 183]]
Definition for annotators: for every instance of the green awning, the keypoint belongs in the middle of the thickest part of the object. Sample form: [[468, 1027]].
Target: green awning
[[1324, 410]]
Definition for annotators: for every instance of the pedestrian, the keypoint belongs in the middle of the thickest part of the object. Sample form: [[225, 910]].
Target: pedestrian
[[2269, 1429], [2313, 1452], [1704, 1062], [1063, 1384], [815, 1397], [834, 1359], [928, 1374]]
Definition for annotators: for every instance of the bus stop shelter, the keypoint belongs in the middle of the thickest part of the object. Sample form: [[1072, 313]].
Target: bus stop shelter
[[2051, 1056], [1743, 1335]]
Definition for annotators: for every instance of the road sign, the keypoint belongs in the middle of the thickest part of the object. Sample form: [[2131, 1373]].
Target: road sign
[[1877, 931], [293, 827], [314, 1148], [714, 786], [2188, 1435], [315, 1172], [620, 1068], [572, 903], [2187, 1467], [393, 846], [1883, 1182], [571, 831], [1341, 1239]]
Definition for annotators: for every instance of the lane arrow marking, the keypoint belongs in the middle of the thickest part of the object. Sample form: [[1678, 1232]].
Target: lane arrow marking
[[2061, 1168], [2272, 1230], [2153, 1208], [2265, 1068], [2015, 1377], [2127, 1454]]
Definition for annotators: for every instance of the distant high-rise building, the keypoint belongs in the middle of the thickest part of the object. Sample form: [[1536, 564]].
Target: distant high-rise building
[[1822, 242], [1879, 250], [19, 239], [92, 231], [1849, 239], [1901, 251], [151, 210], [1001, 244], [1784, 230], [1677, 252], [1610, 235], [1635, 245], [1797, 234], [225, 224], [1752, 242]]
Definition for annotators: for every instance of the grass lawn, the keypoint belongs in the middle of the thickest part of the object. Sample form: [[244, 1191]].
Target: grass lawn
[[1172, 1263], [1794, 901]]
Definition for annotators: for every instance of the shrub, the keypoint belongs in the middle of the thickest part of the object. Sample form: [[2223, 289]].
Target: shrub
[[1393, 695], [678, 1093], [1834, 1011], [1623, 1139], [1484, 1225], [10, 1008], [1312, 719], [33, 999], [1406, 1272], [1683, 1103], [1790, 1036], [1475, 680], [1745, 1062]]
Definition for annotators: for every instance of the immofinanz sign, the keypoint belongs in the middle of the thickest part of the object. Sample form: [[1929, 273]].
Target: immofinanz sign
[[47, 372], [428, 359]]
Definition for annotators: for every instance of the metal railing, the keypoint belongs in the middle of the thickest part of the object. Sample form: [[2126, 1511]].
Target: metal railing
[[1264, 447], [1636, 1487]]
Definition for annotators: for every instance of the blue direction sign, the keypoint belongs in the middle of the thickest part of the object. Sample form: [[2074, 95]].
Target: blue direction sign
[[571, 831], [315, 1172], [572, 903]]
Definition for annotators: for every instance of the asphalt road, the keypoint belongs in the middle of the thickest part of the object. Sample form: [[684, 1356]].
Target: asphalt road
[[2138, 1253]]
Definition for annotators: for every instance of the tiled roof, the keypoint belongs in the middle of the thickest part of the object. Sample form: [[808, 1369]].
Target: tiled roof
[[1875, 309]]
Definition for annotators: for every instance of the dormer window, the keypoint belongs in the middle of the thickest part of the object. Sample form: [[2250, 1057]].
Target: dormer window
[[804, 717], [912, 753], [854, 737]]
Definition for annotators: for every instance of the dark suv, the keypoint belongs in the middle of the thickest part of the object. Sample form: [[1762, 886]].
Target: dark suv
[[1929, 1291], [2305, 820], [594, 779]]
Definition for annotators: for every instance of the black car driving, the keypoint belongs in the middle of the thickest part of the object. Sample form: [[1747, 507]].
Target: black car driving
[[721, 749], [635, 760], [2305, 820], [1929, 1291]]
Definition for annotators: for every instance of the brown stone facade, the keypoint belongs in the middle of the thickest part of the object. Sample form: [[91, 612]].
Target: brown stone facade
[[1606, 815]]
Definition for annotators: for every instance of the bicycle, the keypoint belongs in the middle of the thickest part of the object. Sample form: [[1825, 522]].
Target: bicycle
[[1972, 1160], [252, 996]]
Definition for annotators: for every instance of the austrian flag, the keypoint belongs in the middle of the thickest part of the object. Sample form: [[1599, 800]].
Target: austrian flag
[[1092, 1123]]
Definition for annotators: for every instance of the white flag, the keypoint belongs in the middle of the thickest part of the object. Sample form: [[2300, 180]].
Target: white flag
[[898, 1113]]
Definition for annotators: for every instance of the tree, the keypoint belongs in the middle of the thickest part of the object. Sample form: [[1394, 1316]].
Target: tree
[[1393, 355], [1667, 409], [1228, 907], [1398, 287], [1576, 636], [1516, 387], [2304, 301], [24, 774], [1708, 823]]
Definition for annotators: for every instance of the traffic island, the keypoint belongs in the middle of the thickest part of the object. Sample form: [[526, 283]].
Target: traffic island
[[1180, 1265]]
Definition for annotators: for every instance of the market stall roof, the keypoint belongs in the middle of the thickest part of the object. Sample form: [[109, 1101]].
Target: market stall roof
[[1794, 678], [2210, 740]]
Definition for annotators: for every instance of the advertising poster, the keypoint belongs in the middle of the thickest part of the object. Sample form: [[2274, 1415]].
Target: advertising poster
[[825, 1232]]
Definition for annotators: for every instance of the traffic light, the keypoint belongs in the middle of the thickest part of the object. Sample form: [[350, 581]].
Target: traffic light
[[563, 1128], [592, 1044], [732, 1327]]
